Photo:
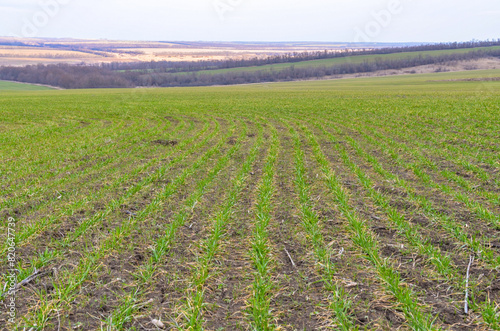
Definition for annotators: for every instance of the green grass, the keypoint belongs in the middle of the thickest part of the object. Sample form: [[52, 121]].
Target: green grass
[[346, 204], [12, 86]]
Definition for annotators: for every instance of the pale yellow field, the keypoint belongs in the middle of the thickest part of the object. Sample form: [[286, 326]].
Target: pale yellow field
[[105, 51], [34, 52]]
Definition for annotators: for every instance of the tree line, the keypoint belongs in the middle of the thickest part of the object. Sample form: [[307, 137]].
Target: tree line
[[66, 76], [292, 73]]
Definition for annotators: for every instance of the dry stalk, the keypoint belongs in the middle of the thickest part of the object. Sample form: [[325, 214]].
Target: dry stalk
[[466, 303], [290, 257]]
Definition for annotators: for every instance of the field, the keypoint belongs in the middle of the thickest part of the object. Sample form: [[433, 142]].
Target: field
[[343, 60], [370, 204], [13, 86], [19, 52]]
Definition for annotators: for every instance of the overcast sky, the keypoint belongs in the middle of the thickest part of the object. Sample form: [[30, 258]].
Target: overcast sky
[[254, 20]]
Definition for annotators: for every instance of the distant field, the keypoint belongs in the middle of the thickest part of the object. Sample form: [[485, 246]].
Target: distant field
[[342, 60], [12, 86], [354, 204], [34, 52], [48, 51]]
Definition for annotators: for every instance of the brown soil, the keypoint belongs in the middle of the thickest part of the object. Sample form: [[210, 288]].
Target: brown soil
[[165, 142]]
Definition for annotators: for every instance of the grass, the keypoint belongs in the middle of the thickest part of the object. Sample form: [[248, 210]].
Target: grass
[[12, 86], [349, 204], [261, 253], [210, 247], [340, 303]]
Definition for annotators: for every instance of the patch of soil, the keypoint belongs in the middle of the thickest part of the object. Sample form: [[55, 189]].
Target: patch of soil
[[165, 142]]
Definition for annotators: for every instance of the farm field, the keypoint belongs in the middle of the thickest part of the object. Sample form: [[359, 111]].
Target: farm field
[[14, 86], [343, 60], [370, 204], [19, 52]]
